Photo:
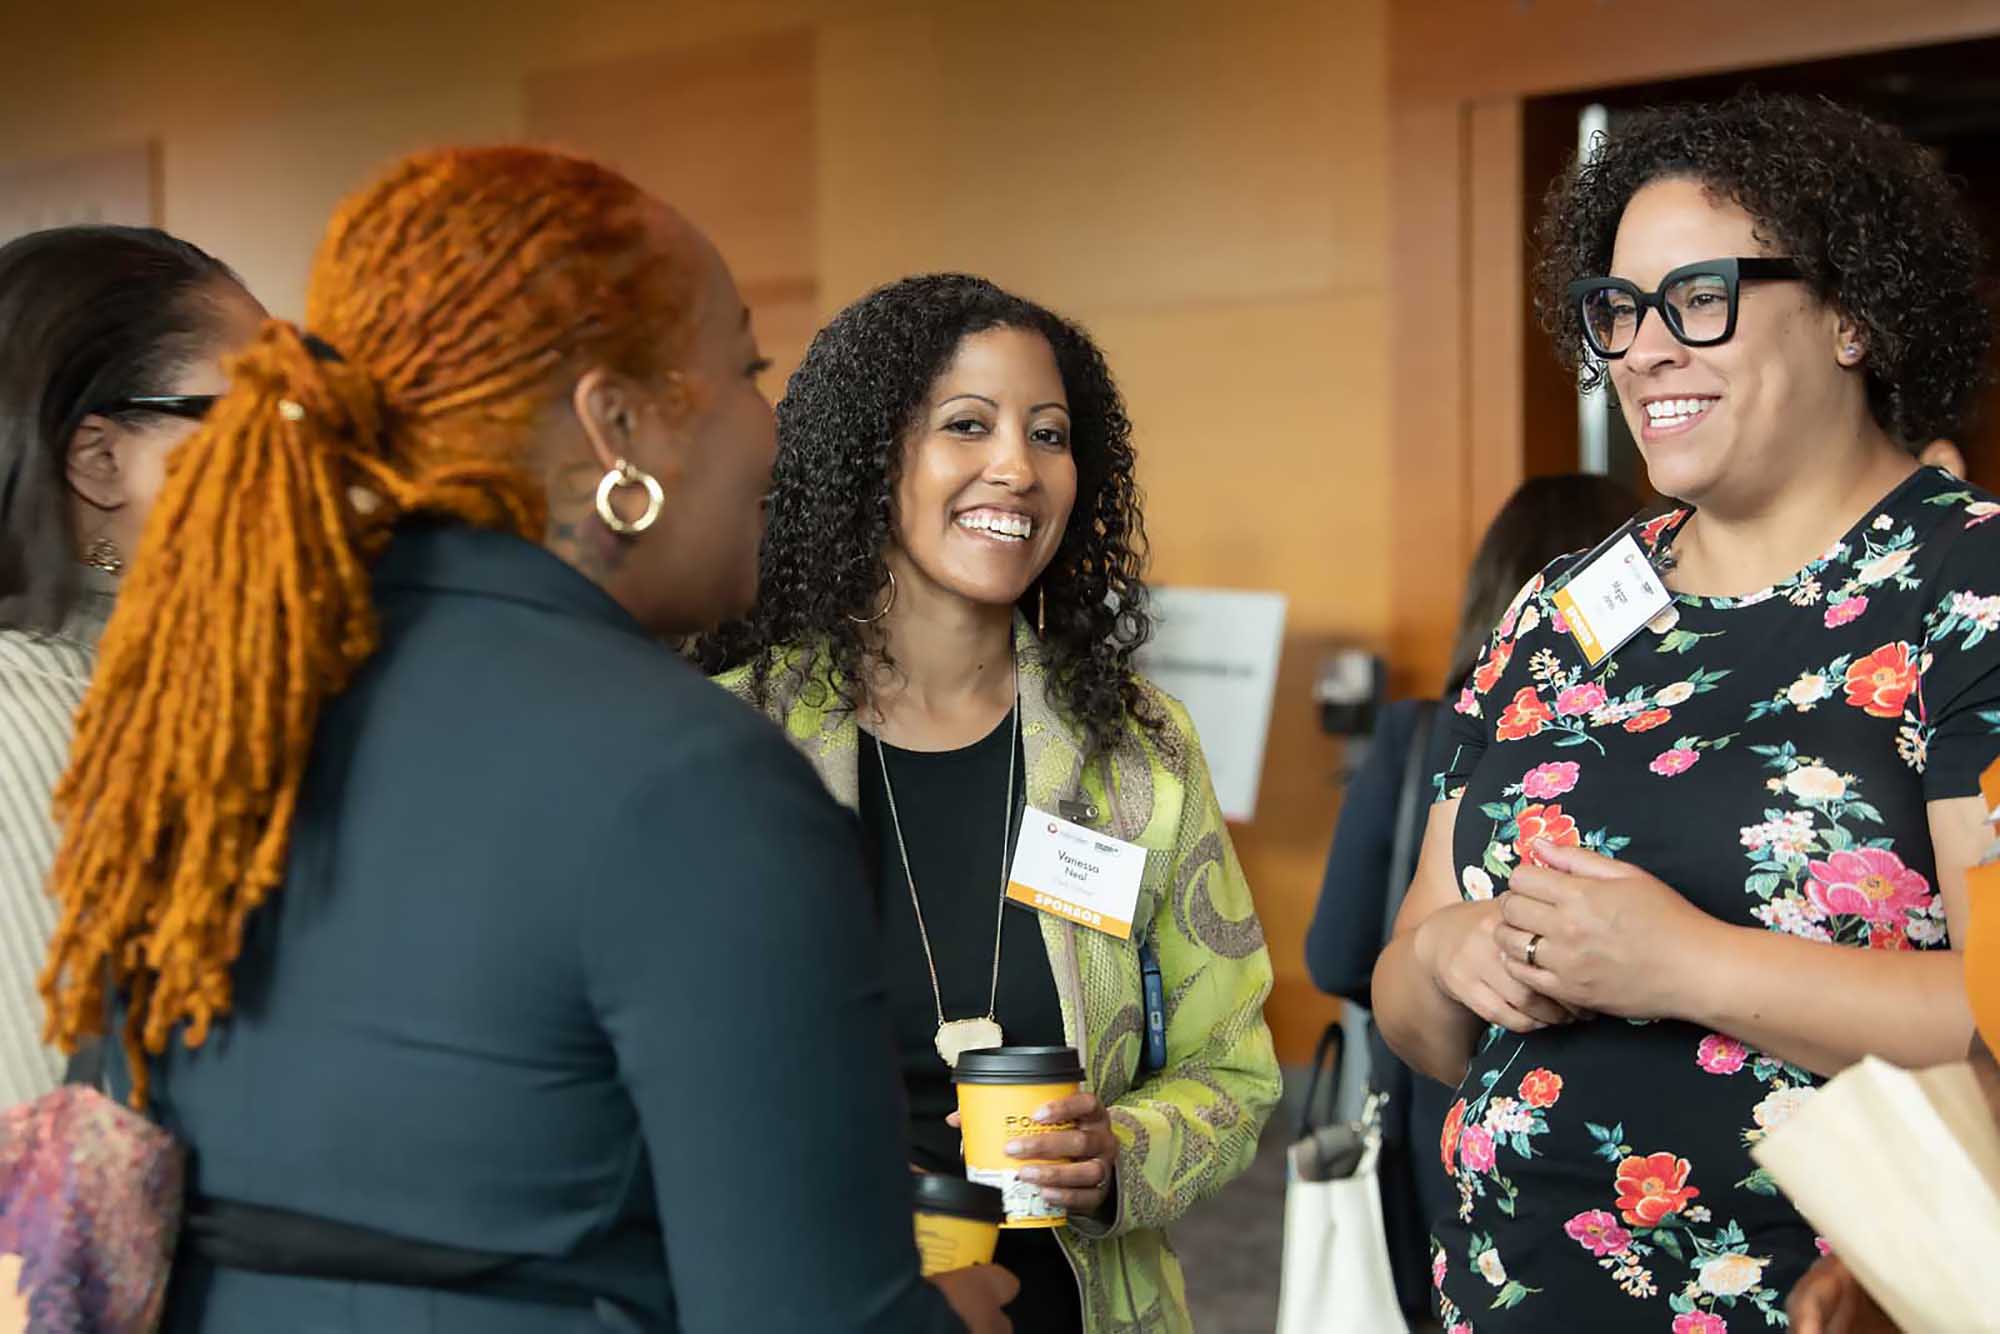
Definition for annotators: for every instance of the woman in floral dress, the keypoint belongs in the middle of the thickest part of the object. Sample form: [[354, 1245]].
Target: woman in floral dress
[[1663, 897]]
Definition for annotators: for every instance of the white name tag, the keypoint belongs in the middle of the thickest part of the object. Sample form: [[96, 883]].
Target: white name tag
[[1611, 599], [1074, 872]]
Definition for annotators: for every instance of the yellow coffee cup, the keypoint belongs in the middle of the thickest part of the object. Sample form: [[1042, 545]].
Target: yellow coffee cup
[[958, 1222], [1982, 950], [999, 1091]]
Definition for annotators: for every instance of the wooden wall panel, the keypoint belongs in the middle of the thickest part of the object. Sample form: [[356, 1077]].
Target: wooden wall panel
[[118, 186], [1496, 274], [1130, 154], [1428, 435], [725, 130]]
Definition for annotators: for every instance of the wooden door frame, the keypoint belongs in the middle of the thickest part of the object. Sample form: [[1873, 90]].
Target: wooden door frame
[[1460, 72]]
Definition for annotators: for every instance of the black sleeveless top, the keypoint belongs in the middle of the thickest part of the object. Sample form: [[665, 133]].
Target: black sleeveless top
[[951, 805]]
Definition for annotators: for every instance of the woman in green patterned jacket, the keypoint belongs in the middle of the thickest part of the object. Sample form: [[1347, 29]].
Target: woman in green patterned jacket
[[951, 592]]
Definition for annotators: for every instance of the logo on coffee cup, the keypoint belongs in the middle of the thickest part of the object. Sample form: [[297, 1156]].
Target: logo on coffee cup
[[1017, 1125]]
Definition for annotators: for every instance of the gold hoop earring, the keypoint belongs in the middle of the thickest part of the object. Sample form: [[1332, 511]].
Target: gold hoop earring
[[624, 474], [886, 605], [103, 555]]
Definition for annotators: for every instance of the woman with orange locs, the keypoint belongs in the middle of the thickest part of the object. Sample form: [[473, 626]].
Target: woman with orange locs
[[423, 876]]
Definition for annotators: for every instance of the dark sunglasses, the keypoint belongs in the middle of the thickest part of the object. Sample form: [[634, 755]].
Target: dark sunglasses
[[1698, 301], [191, 406]]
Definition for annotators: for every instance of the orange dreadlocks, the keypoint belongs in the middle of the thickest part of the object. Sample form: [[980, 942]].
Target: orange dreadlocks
[[452, 290]]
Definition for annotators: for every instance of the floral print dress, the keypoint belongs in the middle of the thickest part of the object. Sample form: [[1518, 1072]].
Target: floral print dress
[[1770, 757]]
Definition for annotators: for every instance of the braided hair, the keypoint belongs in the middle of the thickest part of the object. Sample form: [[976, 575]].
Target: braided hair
[[442, 301]]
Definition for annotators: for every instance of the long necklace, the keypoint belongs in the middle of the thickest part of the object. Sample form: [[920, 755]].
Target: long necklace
[[962, 1035]]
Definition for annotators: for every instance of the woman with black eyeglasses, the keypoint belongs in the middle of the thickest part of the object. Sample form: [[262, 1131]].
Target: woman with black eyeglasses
[[111, 341], [1712, 789]]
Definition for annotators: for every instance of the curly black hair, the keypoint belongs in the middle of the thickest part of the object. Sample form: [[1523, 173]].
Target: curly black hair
[[841, 426], [1881, 234]]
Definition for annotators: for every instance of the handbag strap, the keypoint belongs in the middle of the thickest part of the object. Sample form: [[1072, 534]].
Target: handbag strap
[[1326, 1059], [1410, 809]]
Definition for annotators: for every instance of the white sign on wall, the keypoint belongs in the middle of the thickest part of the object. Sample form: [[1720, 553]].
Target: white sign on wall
[[118, 186], [1216, 650]]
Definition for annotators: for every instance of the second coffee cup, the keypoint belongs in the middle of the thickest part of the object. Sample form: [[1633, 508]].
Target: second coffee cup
[[999, 1091], [958, 1221]]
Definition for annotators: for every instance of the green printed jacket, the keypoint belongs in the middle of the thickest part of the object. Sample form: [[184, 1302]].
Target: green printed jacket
[[1184, 1131]]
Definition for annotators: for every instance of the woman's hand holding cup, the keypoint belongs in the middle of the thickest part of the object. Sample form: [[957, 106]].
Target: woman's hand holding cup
[[1082, 1182]]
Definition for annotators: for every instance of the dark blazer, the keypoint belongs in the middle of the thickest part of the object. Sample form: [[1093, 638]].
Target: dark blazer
[[574, 960], [1342, 945], [1350, 923]]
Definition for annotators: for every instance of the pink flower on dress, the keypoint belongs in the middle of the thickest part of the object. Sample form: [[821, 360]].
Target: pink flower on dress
[[1580, 699], [1437, 1271], [1821, 1245], [1462, 1327], [1840, 613], [1546, 781], [1720, 1055], [1699, 1322], [1598, 1232], [1475, 1149], [1676, 761], [1870, 883], [1467, 703]]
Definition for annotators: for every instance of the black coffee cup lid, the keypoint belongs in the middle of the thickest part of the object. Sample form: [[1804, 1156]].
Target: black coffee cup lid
[[1019, 1065], [937, 1193]]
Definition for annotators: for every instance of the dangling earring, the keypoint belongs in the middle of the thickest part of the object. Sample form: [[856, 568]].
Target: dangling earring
[[1041, 613], [103, 555], [624, 474], [889, 602]]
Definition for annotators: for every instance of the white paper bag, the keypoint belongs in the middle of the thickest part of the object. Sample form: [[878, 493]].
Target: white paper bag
[[1900, 1172]]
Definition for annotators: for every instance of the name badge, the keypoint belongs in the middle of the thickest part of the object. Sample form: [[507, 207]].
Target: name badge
[[1614, 595], [1077, 873]]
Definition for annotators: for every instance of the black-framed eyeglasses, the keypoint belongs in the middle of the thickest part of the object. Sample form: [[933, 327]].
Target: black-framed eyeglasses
[[191, 406], [1698, 302]]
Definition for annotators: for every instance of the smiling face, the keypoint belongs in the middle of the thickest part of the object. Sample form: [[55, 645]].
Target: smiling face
[[988, 480], [1729, 423]]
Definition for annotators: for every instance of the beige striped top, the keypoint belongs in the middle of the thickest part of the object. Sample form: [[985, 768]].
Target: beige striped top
[[42, 680]]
